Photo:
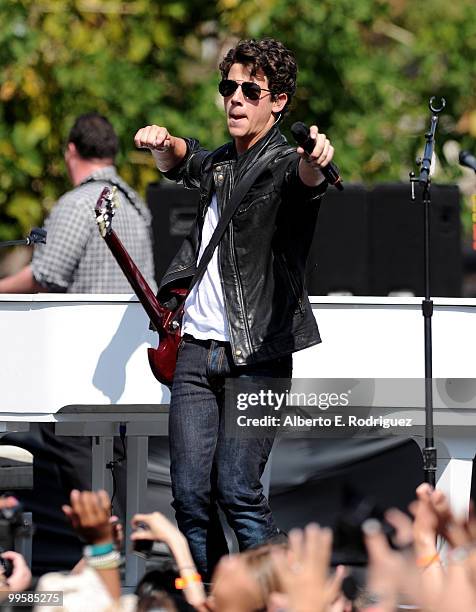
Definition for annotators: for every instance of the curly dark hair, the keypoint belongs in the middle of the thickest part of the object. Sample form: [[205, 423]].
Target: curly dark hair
[[272, 57], [94, 137]]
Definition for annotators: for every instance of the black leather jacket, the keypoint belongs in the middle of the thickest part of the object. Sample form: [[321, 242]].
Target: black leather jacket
[[262, 255]]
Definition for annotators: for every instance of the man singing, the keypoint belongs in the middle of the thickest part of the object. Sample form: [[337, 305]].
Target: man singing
[[250, 310]]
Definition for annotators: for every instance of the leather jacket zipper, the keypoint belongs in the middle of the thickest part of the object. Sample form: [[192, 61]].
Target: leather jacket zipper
[[240, 289], [235, 266]]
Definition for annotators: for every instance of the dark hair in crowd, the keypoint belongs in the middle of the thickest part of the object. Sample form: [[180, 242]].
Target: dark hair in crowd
[[157, 590], [269, 55], [94, 137]]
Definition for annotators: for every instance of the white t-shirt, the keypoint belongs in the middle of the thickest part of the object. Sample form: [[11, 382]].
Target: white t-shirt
[[204, 313]]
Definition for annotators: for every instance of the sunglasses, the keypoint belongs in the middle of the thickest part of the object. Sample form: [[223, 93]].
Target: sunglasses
[[250, 90]]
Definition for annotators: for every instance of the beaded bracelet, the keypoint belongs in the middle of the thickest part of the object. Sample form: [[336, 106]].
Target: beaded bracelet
[[95, 550], [110, 560]]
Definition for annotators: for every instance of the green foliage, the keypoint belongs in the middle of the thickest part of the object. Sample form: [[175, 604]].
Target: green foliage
[[367, 70], [138, 62]]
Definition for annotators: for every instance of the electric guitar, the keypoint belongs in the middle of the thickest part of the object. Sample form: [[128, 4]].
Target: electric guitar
[[162, 360]]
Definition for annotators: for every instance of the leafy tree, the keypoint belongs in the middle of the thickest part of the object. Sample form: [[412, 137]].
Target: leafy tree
[[137, 62], [367, 70]]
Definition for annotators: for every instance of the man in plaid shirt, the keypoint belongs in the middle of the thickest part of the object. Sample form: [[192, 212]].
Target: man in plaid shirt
[[75, 258]]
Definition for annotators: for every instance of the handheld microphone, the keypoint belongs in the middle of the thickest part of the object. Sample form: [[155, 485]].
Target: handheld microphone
[[468, 160], [301, 135]]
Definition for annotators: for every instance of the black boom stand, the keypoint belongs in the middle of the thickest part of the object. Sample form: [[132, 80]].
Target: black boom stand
[[429, 451], [37, 234]]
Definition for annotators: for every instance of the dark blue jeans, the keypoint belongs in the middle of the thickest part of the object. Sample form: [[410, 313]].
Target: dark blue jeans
[[209, 467]]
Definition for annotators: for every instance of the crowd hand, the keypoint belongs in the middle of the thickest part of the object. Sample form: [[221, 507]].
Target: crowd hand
[[117, 532], [417, 541], [389, 572], [234, 588], [427, 522], [403, 538], [277, 602], [20, 578], [424, 530], [303, 570], [340, 603], [322, 153], [155, 526], [117, 538], [457, 531], [153, 137], [90, 514], [458, 592], [461, 536], [469, 547]]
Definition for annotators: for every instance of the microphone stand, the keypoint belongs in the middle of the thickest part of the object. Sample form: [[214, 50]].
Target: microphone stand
[[424, 179], [37, 235]]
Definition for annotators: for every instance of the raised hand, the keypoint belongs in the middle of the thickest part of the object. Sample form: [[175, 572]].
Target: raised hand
[[90, 514], [153, 137], [303, 571]]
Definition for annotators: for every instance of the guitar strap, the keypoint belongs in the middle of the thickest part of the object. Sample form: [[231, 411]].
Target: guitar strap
[[234, 202], [126, 194], [240, 191]]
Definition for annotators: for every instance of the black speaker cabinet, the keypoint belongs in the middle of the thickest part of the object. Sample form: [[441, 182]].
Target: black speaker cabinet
[[365, 243], [173, 211], [338, 259], [396, 246]]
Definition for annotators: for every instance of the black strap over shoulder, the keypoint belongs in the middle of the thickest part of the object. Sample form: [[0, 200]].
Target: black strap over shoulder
[[239, 193]]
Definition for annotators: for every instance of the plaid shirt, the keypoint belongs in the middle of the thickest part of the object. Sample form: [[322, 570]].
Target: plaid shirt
[[75, 259]]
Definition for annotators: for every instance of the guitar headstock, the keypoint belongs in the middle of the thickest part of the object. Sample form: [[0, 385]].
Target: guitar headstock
[[105, 209]]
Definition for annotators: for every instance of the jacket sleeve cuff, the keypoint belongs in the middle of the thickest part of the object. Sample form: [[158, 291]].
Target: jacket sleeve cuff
[[306, 192], [175, 174]]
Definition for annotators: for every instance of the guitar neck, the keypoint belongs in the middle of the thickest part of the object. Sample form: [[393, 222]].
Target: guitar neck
[[138, 283]]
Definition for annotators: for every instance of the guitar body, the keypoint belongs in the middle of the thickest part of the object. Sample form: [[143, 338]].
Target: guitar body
[[163, 359]]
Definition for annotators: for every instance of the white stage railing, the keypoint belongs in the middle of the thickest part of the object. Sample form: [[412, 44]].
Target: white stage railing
[[88, 353]]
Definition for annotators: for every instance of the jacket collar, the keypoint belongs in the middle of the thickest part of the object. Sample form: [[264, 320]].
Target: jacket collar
[[227, 153], [272, 138]]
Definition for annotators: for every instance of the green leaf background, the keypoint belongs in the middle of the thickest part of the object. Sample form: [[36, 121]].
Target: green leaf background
[[367, 71]]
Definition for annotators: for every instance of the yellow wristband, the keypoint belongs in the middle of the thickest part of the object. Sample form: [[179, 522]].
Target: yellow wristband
[[425, 562], [184, 582]]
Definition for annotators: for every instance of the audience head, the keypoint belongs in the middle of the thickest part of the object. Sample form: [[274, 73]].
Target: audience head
[[157, 590]]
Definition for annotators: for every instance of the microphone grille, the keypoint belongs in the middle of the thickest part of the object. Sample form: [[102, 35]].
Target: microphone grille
[[299, 131]]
